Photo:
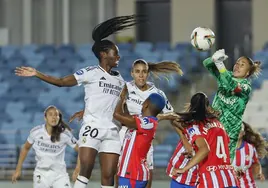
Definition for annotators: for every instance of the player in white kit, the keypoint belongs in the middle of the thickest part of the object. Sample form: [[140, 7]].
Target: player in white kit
[[139, 90], [49, 142], [99, 132]]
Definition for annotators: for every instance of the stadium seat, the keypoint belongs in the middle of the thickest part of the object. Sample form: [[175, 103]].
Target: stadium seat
[[46, 50], [184, 46], [162, 46], [124, 46], [143, 46], [171, 55], [8, 51]]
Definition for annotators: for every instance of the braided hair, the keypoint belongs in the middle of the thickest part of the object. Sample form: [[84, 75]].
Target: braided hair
[[109, 27]]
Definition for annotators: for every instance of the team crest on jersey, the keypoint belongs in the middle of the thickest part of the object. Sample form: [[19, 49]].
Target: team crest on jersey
[[247, 157], [84, 139], [79, 72]]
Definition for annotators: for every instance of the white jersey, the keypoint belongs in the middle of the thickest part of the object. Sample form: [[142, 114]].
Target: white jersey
[[50, 155], [102, 92], [136, 97]]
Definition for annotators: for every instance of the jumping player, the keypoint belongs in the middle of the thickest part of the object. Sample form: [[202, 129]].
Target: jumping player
[[210, 142], [49, 142], [233, 91], [138, 91], [133, 169], [250, 146], [99, 133]]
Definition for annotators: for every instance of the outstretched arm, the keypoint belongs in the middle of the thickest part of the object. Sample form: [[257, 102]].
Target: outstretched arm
[[67, 81], [211, 67], [24, 152]]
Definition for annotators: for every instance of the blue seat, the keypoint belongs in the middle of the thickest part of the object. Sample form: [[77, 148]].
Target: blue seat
[[4, 87], [161, 163], [162, 46], [171, 55], [143, 46], [66, 48], [8, 51], [46, 49], [85, 46], [125, 46], [183, 46]]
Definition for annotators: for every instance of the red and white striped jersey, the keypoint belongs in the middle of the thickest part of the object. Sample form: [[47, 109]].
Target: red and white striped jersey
[[215, 170], [137, 142], [245, 157], [178, 160]]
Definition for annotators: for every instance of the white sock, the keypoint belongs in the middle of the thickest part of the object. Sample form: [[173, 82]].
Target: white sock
[[103, 186], [81, 182]]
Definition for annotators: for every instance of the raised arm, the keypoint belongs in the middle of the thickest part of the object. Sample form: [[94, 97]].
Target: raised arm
[[123, 116], [23, 154], [67, 81], [211, 67]]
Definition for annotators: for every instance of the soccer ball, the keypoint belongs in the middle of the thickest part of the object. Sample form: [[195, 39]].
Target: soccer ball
[[202, 38]]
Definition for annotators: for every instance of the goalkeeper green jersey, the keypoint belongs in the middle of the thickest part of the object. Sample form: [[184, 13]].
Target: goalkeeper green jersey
[[231, 99]]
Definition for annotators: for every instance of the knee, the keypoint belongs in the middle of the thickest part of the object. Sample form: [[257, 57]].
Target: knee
[[86, 169], [108, 178]]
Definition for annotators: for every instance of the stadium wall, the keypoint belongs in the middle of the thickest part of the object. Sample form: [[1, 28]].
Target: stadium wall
[[186, 15]]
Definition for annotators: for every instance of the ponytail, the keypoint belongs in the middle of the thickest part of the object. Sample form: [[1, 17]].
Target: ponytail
[[109, 27], [255, 69], [163, 67]]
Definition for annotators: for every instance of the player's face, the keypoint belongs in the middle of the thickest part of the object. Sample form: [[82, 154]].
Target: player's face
[[140, 74], [112, 56], [52, 117], [144, 106], [241, 68]]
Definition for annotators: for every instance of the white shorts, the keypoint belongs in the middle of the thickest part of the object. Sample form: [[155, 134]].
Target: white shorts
[[49, 179], [150, 158], [101, 139], [150, 155]]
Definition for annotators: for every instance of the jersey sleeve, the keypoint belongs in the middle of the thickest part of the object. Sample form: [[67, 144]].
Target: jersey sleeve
[[211, 67], [32, 135], [232, 85], [168, 107], [144, 124], [70, 139], [193, 133], [84, 75]]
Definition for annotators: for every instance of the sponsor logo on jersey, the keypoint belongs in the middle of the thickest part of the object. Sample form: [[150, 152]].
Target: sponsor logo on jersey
[[102, 78], [133, 92]]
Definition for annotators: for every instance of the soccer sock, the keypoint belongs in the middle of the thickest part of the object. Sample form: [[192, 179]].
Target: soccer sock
[[81, 182], [103, 186]]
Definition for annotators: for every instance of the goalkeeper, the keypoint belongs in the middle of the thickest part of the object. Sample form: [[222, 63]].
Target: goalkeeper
[[233, 91]]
